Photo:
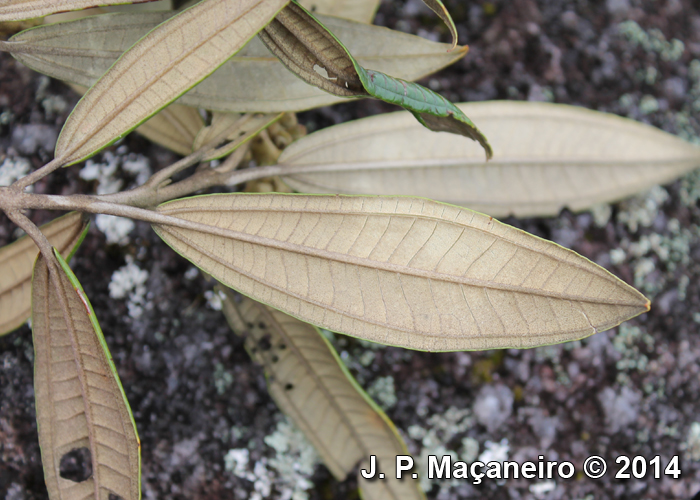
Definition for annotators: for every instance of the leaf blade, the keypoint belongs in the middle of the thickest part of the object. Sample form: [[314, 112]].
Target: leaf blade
[[438, 7], [364, 266], [90, 46], [17, 261], [79, 399], [547, 157], [344, 424], [17, 10], [158, 69], [241, 130], [357, 10], [317, 56]]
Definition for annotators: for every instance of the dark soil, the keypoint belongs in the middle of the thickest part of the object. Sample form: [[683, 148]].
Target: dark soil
[[568, 402]]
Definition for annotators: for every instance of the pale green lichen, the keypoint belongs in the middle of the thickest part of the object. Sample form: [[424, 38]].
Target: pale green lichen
[[641, 210], [601, 214], [383, 392], [440, 430], [692, 444], [648, 105], [652, 41], [628, 343], [222, 379], [288, 473]]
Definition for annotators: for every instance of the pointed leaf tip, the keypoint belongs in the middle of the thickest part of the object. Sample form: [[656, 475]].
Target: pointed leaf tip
[[442, 12], [364, 266], [82, 412]]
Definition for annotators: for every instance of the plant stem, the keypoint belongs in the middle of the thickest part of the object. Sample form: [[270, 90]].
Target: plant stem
[[37, 175]]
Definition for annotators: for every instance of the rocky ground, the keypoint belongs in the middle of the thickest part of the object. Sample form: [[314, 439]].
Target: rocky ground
[[634, 390]]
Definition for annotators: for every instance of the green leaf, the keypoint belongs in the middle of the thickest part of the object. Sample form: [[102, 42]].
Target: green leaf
[[310, 383], [81, 408], [314, 54], [17, 261], [431, 109]]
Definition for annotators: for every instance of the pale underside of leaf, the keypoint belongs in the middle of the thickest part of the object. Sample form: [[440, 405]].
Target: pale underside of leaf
[[401, 271], [252, 81], [158, 69], [79, 399], [310, 384], [356, 10], [241, 128], [16, 10], [546, 157], [17, 261], [173, 127]]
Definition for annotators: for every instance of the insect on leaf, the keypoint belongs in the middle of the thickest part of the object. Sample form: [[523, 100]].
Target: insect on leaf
[[547, 157], [357, 10], [81, 51], [17, 260], [16, 10], [313, 387], [241, 128], [401, 271], [82, 413], [163, 65], [313, 53]]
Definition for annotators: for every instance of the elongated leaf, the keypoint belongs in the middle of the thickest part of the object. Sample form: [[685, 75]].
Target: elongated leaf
[[438, 7], [252, 81], [313, 53], [16, 10], [163, 65], [431, 109], [311, 385], [241, 130], [17, 260], [357, 10], [174, 127], [400, 271], [547, 157], [80, 404]]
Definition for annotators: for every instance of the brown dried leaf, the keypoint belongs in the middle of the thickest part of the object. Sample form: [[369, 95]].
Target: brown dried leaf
[[311, 385], [401, 271], [312, 53], [17, 260], [80, 404]]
